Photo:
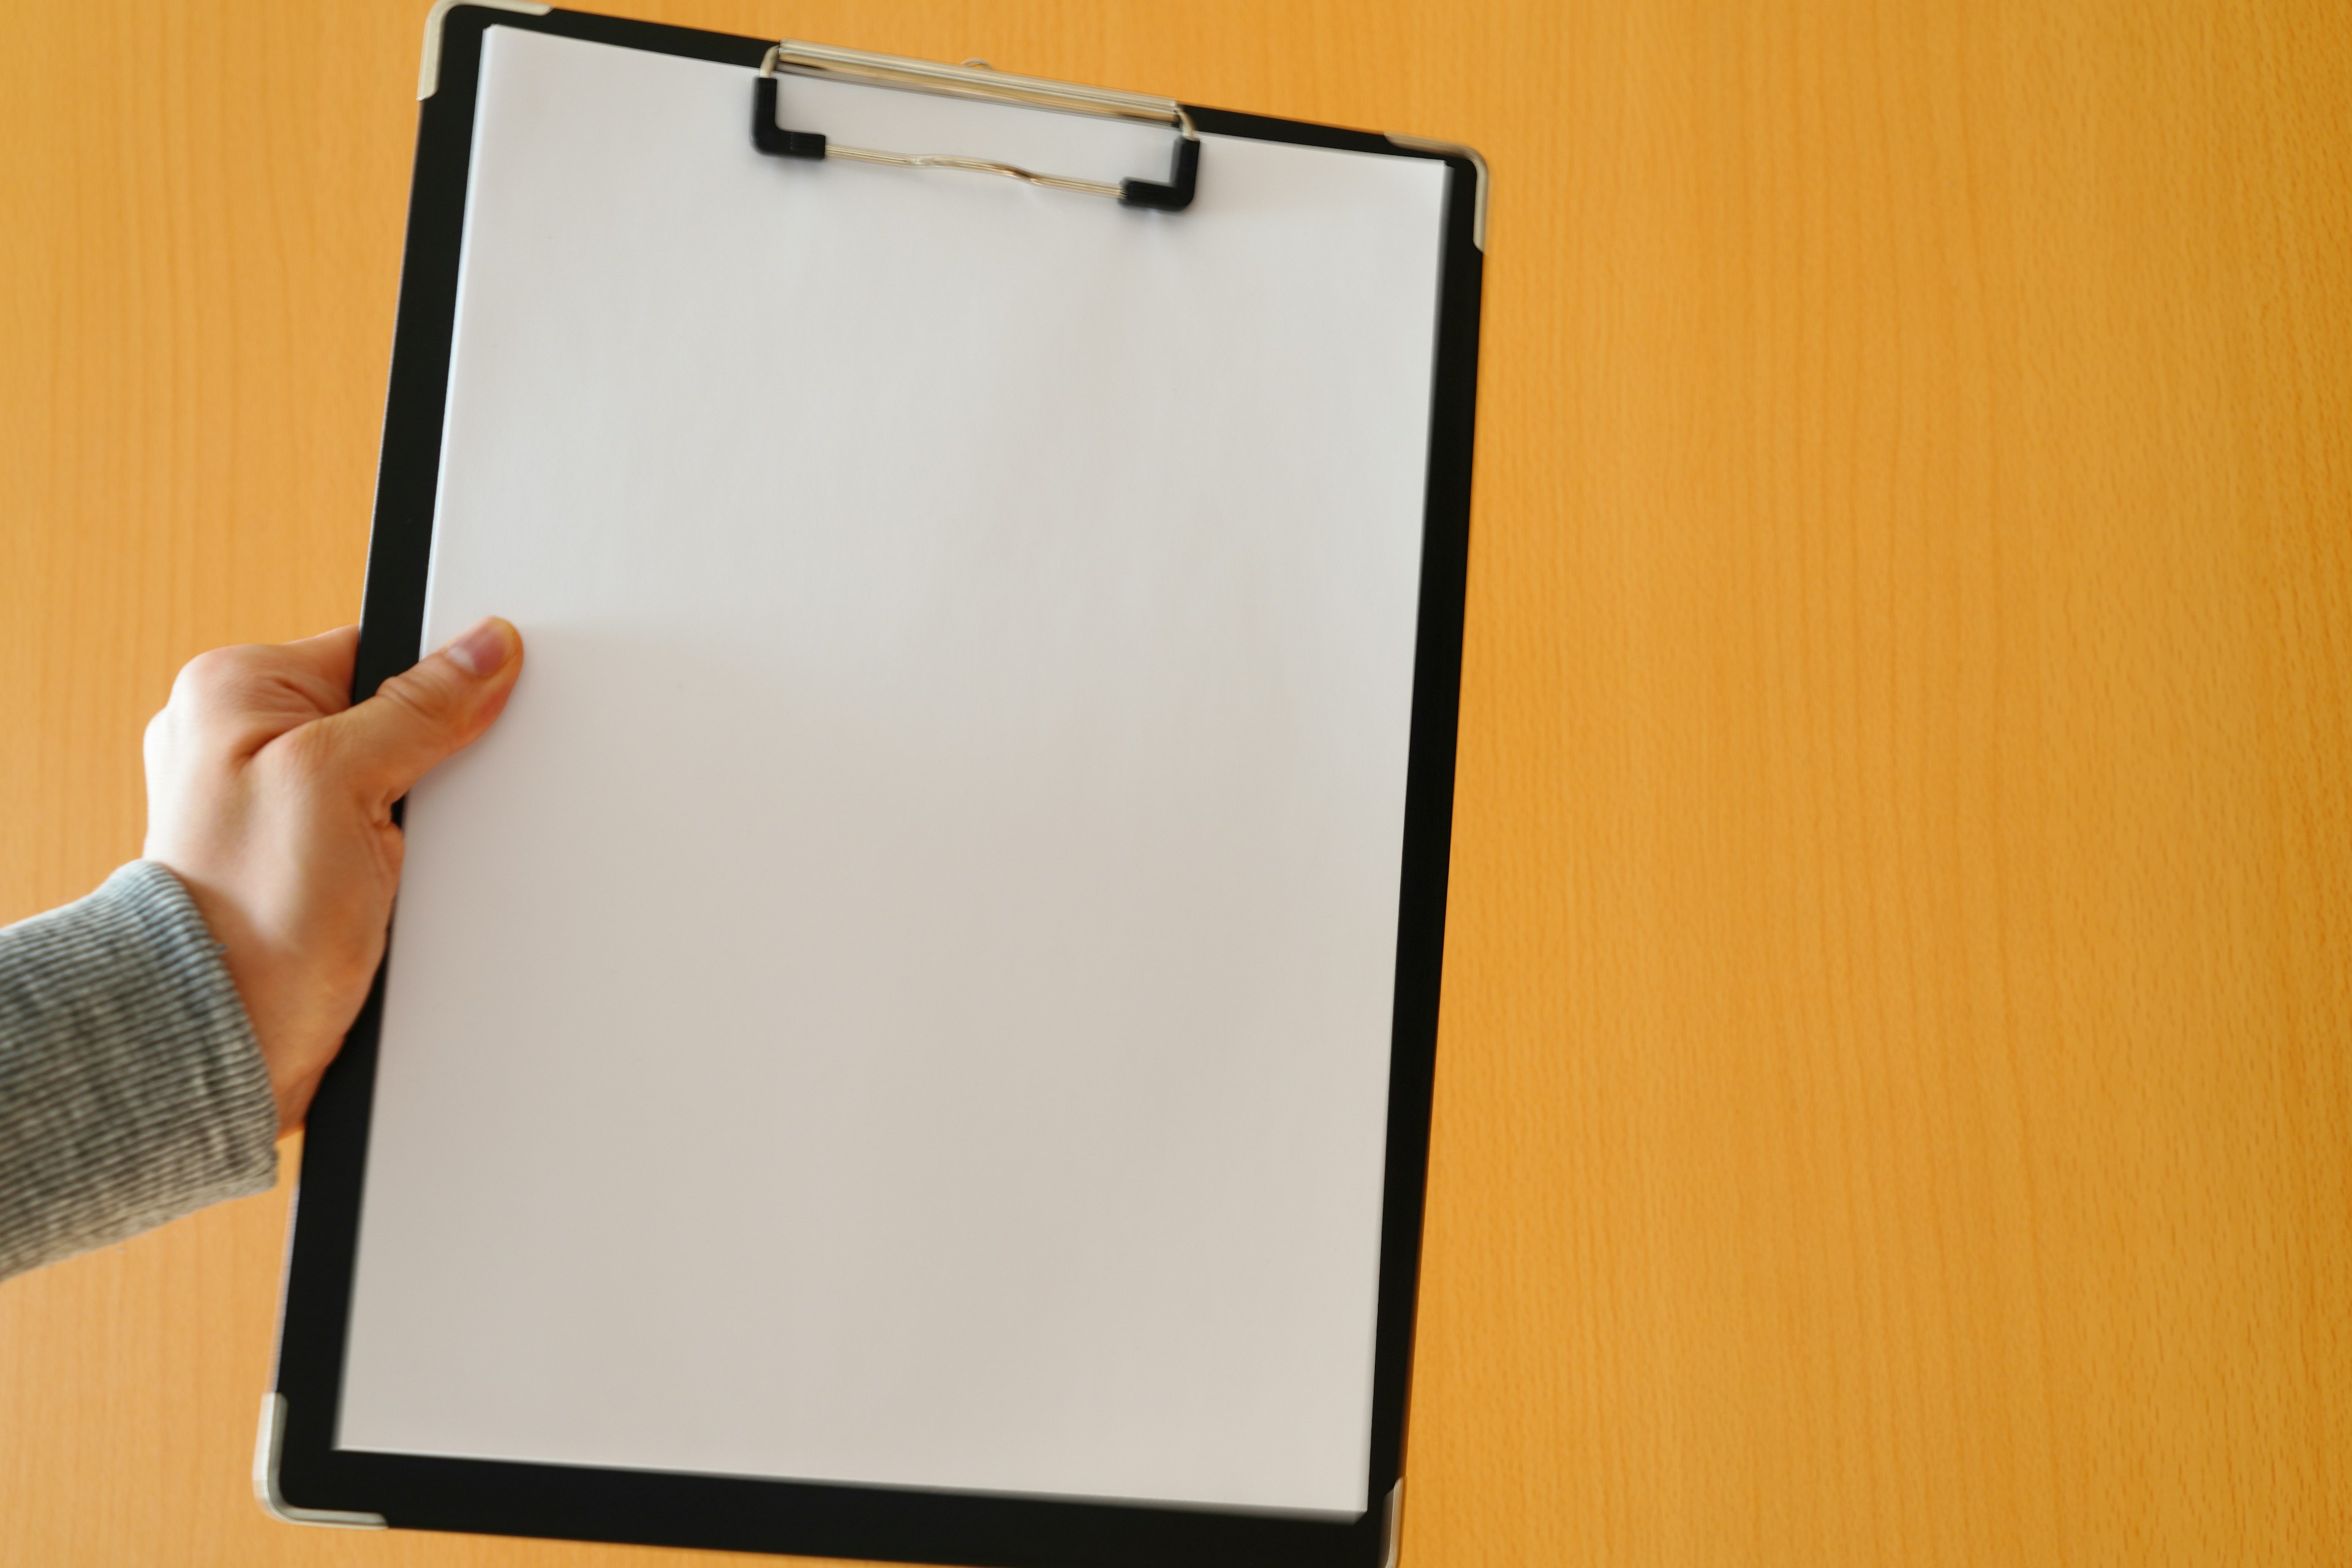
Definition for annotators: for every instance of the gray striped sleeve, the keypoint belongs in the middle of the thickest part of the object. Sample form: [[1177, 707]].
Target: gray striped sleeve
[[131, 1088]]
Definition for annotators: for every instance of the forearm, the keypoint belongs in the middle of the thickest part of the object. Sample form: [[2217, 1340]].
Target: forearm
[[131, 1090]]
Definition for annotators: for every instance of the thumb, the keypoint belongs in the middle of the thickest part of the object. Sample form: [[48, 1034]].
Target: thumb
[[430, 710]]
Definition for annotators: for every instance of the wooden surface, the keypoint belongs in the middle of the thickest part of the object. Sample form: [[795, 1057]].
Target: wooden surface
[[1896, 1095]]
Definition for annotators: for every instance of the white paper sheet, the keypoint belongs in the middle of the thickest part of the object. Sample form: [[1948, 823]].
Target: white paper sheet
[[903, 996]]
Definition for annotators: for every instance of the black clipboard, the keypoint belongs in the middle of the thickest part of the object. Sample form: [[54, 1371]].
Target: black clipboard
[[303, 1477]]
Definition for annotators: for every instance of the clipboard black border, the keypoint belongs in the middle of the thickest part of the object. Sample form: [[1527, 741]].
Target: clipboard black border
[[675, 1508]]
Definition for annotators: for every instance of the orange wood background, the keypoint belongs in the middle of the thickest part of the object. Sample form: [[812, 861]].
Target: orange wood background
[[1895, 1098]]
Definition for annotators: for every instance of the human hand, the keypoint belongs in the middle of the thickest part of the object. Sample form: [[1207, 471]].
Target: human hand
[[269, 795]]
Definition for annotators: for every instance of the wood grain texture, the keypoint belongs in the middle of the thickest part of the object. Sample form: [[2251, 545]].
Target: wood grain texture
[[1895, 1096]]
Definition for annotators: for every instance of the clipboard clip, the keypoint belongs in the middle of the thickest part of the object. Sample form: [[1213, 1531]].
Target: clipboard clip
[[987, 86]]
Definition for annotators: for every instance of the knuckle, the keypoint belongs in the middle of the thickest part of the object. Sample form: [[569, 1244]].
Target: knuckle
[[218, 705], [217, 699], [219, 673]]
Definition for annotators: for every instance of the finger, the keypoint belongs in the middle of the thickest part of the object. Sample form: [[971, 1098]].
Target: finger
[[327, 659], [316, 671], [232, 701], [429, 712]]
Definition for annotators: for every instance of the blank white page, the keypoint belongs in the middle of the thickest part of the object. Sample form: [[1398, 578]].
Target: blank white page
[[904, 995]]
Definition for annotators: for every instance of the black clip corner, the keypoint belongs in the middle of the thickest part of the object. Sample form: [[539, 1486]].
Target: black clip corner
[[771, 138], [1177, 194]]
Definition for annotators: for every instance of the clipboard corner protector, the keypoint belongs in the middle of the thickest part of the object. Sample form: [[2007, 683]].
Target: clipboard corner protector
[[270, 1441], [428, 66], [1477, 162]]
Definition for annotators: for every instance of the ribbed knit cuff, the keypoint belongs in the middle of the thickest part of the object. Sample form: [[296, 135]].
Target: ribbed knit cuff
[[131, 1091]]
